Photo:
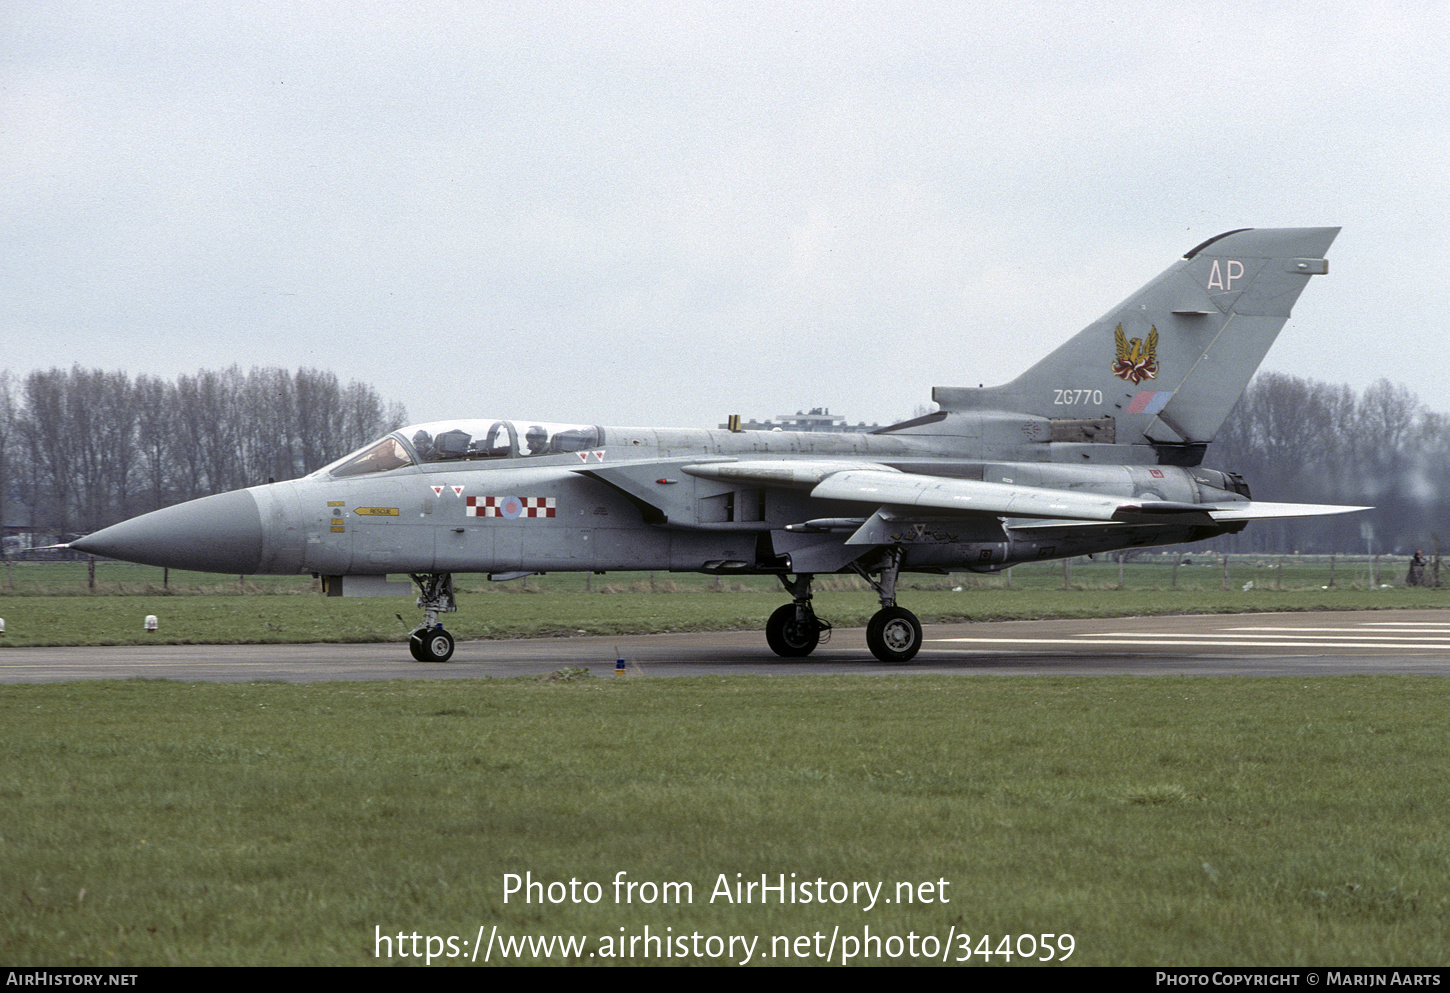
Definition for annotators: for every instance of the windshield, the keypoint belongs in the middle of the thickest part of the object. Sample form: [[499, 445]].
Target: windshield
[[379, 457]]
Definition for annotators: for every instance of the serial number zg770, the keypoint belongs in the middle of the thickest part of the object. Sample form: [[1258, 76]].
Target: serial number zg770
[[1072, 397]]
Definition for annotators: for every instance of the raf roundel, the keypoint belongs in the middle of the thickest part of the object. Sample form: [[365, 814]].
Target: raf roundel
[[510, 508]]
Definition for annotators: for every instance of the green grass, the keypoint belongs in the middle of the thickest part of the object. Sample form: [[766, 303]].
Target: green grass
[[1158, 821]]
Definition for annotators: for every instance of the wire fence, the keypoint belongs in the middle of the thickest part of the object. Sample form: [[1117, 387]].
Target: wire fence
[[1156, 570]]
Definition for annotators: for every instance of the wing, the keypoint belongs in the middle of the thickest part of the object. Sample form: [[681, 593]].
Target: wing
[[881, 485], [1009, 500], [946, 521]]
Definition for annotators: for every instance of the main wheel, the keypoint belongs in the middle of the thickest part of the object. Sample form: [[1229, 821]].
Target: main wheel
[[431, 646], [894, 635], [791, 638]]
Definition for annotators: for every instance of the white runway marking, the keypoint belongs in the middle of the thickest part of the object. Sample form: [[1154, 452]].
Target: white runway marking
[[1368, 629], [1388, 637], [1409, 636], [1139, 642]]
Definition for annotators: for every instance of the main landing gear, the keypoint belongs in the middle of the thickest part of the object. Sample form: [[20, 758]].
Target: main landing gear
[[893, 634], [429, 642], [794, 631]]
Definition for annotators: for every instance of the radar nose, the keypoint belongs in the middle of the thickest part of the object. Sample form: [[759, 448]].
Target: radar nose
[[221, 533]]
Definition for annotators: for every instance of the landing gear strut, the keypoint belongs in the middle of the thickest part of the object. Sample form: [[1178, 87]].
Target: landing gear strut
[[429, 642], [893, 633], [794, 631]]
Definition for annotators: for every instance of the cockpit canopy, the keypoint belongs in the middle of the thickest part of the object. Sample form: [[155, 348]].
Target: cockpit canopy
[[467, 441]]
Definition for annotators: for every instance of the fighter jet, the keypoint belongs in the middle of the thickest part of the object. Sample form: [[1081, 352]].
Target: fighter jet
[[1097, 447]]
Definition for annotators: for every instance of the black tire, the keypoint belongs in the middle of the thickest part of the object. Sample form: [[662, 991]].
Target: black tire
[[790, 638], [894, 635], [431, 646]]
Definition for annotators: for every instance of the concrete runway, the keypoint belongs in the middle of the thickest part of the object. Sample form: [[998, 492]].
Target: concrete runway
[[1297, 644]]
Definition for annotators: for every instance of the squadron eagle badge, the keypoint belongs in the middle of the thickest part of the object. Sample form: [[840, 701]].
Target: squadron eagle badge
[[1136, 360]]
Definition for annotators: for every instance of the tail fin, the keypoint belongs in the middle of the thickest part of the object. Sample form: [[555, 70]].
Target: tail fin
[[1170, 362]]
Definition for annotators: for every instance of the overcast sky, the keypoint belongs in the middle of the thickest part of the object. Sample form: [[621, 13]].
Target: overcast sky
[[663, 213]]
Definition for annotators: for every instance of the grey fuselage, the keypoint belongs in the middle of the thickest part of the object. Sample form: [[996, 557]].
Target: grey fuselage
[[626, 503]]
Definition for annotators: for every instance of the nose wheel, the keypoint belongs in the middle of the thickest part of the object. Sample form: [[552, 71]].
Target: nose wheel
[[429, 642], [431, 646]]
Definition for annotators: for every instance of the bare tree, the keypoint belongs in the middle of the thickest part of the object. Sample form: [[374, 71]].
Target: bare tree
[[9, 418], [319, 416], [154, 399], [43, 428], [84, 448]]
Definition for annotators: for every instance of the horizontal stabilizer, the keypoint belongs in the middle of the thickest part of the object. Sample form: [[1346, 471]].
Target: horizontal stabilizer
[[1263, 511]]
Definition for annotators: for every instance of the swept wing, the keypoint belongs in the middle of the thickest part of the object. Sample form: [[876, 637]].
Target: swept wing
[[883, 485]]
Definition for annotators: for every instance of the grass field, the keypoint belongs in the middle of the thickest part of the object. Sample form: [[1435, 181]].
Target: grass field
[[1156, 821], [1162, 821]]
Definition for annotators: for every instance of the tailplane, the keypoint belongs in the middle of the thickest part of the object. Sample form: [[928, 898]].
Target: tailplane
[[1169, 363]]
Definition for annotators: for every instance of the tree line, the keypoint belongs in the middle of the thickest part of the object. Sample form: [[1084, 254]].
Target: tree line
[[81, 448], [1304, 441]]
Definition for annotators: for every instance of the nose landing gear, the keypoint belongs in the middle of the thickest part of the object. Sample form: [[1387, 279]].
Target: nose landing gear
[[429, 642], [794, 630]]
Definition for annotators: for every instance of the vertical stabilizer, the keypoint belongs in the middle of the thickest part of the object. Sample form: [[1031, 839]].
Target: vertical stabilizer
[[1170, 362]]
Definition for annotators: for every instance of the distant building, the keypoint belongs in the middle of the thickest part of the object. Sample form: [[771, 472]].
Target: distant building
[[817, 419]]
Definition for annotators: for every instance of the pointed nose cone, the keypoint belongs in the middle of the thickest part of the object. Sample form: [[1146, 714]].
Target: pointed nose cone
[[221, 533]]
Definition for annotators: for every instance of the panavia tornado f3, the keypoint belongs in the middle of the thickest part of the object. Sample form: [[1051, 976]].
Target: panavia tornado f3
[[1096, 448]]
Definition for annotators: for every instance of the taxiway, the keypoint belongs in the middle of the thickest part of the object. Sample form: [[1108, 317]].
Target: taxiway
[[1336, 643]]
